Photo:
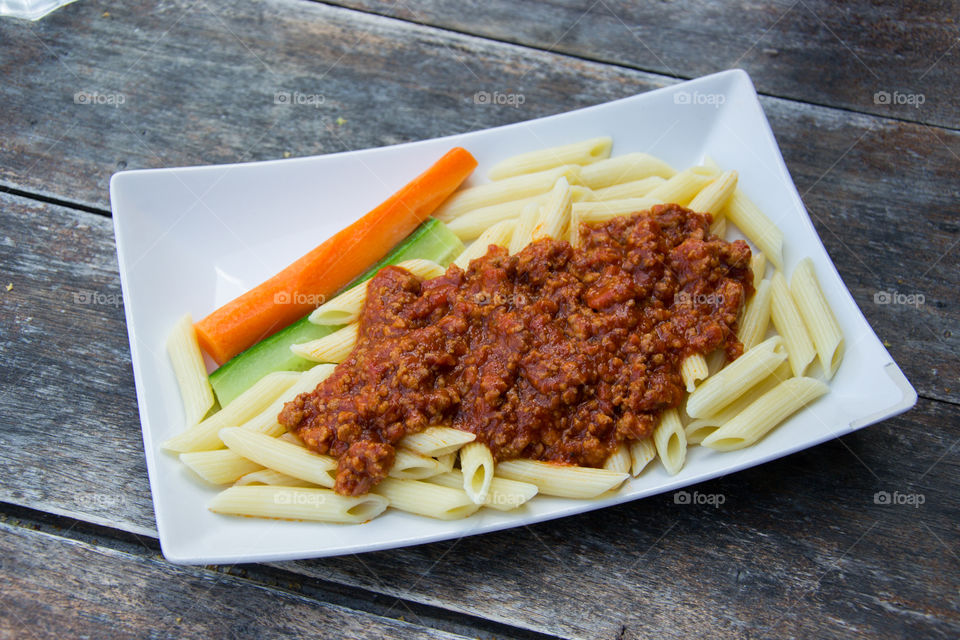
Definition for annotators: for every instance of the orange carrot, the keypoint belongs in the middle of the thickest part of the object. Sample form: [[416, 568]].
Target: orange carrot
[[293, 292]]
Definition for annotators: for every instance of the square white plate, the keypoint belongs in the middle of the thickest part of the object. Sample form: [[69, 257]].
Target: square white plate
[[190, 239]]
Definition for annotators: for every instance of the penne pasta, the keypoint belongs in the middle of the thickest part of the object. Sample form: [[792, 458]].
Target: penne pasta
[[756, 226], [476, 465], [817, 317], [619, 461], [681, 188], [583, 152], [554, 212], [408, 465], [498, 234], [474, 223], [788, 323], [203, 436], [592, 212], [670, 441], [190, 371], [346, 307], [719, 227], [281, 456], [266, 421], [446, 461], [732, 381], [699, 428], [765, 413], [756, 317], [625, 168], [758, 265], [523, 233], [515, 188], [436, 441], [634, 189], [269, 476], [504, 495], [297, 503], [426, 498], [561, 480], [713, 197], [220, 466], [693, 369], [331, 348], [642, 453]]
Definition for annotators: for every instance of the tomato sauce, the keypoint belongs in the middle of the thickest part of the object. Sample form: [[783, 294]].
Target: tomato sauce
[[556, 353]]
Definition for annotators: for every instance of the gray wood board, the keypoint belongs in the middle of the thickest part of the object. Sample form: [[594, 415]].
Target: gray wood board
[[896, 59], [57, 587]]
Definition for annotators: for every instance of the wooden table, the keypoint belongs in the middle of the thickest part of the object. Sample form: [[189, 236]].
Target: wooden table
[[862, 97]]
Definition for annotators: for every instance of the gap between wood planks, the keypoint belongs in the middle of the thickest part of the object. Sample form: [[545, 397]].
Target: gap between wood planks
[[620, 65], [147, 549]]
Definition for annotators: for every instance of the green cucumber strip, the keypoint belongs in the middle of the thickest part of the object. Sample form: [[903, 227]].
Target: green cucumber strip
[[432, 240]]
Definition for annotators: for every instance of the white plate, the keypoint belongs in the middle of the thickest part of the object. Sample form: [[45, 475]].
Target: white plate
[[190, 239]]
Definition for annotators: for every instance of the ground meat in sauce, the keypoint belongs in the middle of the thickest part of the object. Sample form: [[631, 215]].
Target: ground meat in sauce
[[556, 353]]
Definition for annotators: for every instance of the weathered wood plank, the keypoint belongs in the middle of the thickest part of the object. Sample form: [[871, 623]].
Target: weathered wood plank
[[782, 526], [818, 51], [53, 587], [883, 192]]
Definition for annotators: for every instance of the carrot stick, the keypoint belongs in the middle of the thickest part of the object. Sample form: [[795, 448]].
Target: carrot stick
[[293, 292]]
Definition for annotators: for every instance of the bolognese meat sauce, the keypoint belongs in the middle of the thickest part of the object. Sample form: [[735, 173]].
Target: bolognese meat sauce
[[556, 353]]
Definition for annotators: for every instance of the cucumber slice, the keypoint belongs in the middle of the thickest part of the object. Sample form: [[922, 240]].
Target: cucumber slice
[[432, 240]]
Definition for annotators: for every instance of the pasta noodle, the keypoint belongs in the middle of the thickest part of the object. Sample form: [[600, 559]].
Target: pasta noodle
[[756, 226], [625, 168], [498, 234], [635, 189], [220, 466], [515, 188], [273, 453], [788, 323], [620, 460], [504, 495], [266, 421], [642, 453], [699, 428], [436, 441], [713, 197], [681, 188], [670, 441], [554, 212], [729, 383], [426, 499], [297, 503], [191, 373], [330, 348], [346, 307], [476, 464], [817, 316], [203, 436], [765, 413], [693, 369], [756, 317], [583, 152], [561, 480], [523, 233]]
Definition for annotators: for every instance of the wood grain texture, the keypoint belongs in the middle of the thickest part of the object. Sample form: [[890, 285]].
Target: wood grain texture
[[817, 51], [60, 588], [787, 541]]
